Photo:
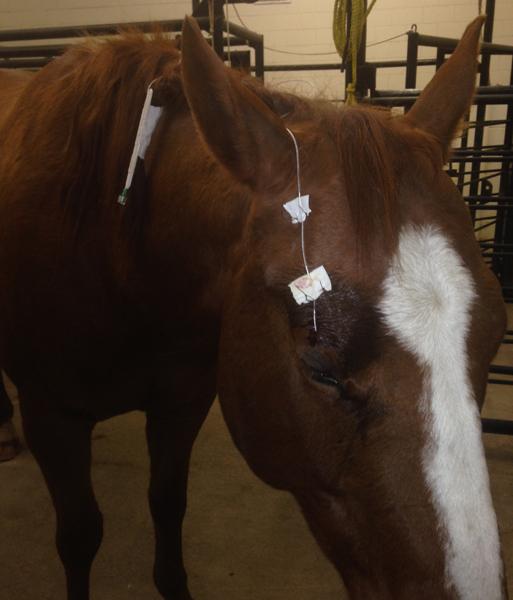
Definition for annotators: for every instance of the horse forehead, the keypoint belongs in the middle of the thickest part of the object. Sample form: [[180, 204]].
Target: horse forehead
[[428, 291]]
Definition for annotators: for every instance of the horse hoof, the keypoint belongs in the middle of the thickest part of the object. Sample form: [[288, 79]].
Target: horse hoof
[[179, 593], [9, 442], [182, 596]]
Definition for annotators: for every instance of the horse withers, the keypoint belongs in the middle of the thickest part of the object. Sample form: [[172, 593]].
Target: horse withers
[[348, 334]]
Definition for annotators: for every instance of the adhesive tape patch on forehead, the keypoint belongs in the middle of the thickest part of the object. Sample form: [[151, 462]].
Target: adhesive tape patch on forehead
[[298, 209], [309, 287]]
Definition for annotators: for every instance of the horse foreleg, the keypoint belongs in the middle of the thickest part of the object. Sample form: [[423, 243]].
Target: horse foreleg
[[62, 447], [9, 442], [172, 426]]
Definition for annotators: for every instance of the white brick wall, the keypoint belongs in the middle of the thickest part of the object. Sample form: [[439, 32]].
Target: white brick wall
[[299, 26]]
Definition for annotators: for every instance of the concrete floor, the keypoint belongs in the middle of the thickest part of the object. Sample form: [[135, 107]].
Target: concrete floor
[[243, 540]]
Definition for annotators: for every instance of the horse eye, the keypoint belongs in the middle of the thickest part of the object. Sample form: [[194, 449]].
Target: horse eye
[[326, 379]]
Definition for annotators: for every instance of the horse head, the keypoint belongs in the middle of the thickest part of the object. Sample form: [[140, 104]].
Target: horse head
[[363, 399]]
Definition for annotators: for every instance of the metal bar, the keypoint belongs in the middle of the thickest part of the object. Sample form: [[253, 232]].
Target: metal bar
[[495, 245], [440, 57], [13, 55], [504, 227], [484, 78], [492, 207], [412, 55], [479, 131], [501, 369], [449, 44], [494, 170], [482, 199], [246, 34], [311, 67], [219, 27], [259, 60], [485, 148], [336, 66], [488, 122], [410, 99], [495, 89], [24, 63], [492, 159], [49, 50], [48, 33], [235, 41], [497, 426], [347, 65], [501, 90], [361, 91], [255, 41], [388, 64], [485, 226]]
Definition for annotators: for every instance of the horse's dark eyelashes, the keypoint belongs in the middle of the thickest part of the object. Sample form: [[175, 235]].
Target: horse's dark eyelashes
[[325, 378], [329, 380], [349, 399], [323, 369]]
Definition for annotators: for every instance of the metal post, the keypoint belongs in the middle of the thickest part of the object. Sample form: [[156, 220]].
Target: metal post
[[484, 79], [255, 41], [219, 26], [259, 60], [360, 59], [504, 224], [440, 57], [487, 37], [411, 60], [348, 63], [362, 55]]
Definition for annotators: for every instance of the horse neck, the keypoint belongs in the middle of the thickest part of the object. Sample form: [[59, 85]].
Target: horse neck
[[198, 216]]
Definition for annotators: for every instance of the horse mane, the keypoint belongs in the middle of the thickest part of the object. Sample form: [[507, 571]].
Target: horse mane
[[78, 116], [373, 147], [76, 122], [378, 153], [368, 155]]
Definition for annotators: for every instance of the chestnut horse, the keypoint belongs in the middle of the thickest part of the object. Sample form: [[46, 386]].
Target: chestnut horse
[[11, 84], [360, 397]]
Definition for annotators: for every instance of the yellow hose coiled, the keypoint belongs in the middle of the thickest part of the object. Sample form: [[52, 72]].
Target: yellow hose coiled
[[358, 18]]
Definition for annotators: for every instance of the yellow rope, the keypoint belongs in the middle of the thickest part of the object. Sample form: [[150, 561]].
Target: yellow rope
[[348, 49]]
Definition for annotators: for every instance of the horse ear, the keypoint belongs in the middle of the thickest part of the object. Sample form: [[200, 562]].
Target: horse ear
[[444, 102], [242, 132]]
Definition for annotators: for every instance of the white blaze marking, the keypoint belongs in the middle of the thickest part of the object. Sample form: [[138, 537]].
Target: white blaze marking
[[428, 296]]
